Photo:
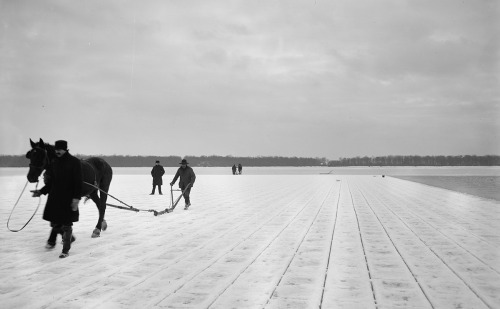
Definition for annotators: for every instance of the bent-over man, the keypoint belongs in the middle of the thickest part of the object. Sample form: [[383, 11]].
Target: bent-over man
[[187, 176]]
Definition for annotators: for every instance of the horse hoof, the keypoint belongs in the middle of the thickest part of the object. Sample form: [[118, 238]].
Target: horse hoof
[[96, 233], [104, 225]]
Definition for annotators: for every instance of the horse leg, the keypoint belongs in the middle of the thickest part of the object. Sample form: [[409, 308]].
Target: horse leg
[[102, 210], [105, 183], [98, 227]]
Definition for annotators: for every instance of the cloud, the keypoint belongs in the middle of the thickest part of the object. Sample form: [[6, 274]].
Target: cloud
[[289, 73]]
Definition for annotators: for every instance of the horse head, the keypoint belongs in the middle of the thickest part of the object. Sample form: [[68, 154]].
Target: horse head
[[39, 159]]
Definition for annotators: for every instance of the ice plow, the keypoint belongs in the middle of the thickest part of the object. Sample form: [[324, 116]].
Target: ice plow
[[173, 203]]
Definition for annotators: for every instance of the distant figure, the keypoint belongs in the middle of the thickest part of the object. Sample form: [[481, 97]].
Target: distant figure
[[240, 168], [157, 173], [234, 169], [187, 176], [63, 183]]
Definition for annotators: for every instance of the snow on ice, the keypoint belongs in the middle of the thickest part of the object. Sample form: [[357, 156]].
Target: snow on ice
[[261, 241]]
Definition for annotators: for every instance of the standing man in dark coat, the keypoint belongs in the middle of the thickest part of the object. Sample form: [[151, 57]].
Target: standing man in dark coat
[[188, 177], [234, 169], [240, 168], [64, 186], [157, 172]]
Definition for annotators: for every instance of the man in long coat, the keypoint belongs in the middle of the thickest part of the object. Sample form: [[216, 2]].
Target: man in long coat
[[186, 182], [157, 173], [64, 186]]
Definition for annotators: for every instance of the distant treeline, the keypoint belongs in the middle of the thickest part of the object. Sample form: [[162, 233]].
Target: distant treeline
[[418, 161], [255, 161], [221, 161], [169, 161]]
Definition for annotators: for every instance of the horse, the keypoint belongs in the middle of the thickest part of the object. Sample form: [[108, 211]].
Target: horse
[[95, 171]]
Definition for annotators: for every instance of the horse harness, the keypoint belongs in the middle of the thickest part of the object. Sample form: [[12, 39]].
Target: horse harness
[[45, 160], [93, 171]]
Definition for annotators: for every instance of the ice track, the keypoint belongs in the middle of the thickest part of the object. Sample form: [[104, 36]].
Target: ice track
[[261, 241]]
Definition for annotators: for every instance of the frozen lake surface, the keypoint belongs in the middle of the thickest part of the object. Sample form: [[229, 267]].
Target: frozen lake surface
[[483, 186], [261, 241]]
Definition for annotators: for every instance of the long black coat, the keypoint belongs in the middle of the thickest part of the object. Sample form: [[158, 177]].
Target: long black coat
[[64, 183], [187, 176], [157, 172]]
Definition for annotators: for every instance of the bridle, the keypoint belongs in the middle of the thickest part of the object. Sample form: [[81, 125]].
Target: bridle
[[45, 160], [44, 164]]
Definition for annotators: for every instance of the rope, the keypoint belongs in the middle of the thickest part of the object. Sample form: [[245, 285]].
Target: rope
[[116, 206], [126, 208], [40, 201], [15, 205]]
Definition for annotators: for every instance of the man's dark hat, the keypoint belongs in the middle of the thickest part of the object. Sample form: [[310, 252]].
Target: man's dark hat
[[61, 145], [184, 162], [157, 161]]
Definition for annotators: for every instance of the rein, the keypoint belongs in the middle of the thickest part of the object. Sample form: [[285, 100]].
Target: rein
[[15, 205], [40, 201], [44, 163]]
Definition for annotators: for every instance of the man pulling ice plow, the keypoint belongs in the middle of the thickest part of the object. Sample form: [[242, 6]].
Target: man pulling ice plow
[[187, 179]]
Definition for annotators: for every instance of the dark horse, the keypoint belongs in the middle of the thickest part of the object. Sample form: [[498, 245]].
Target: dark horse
[[95, 171]]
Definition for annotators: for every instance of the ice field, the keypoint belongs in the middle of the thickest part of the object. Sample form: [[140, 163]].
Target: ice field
[[261, 241]]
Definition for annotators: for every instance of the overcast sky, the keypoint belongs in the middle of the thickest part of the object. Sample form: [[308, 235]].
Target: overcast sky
[[311, 78]]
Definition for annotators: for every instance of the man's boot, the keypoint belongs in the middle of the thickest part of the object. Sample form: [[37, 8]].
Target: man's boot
[[51, 242], [67, 237]]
